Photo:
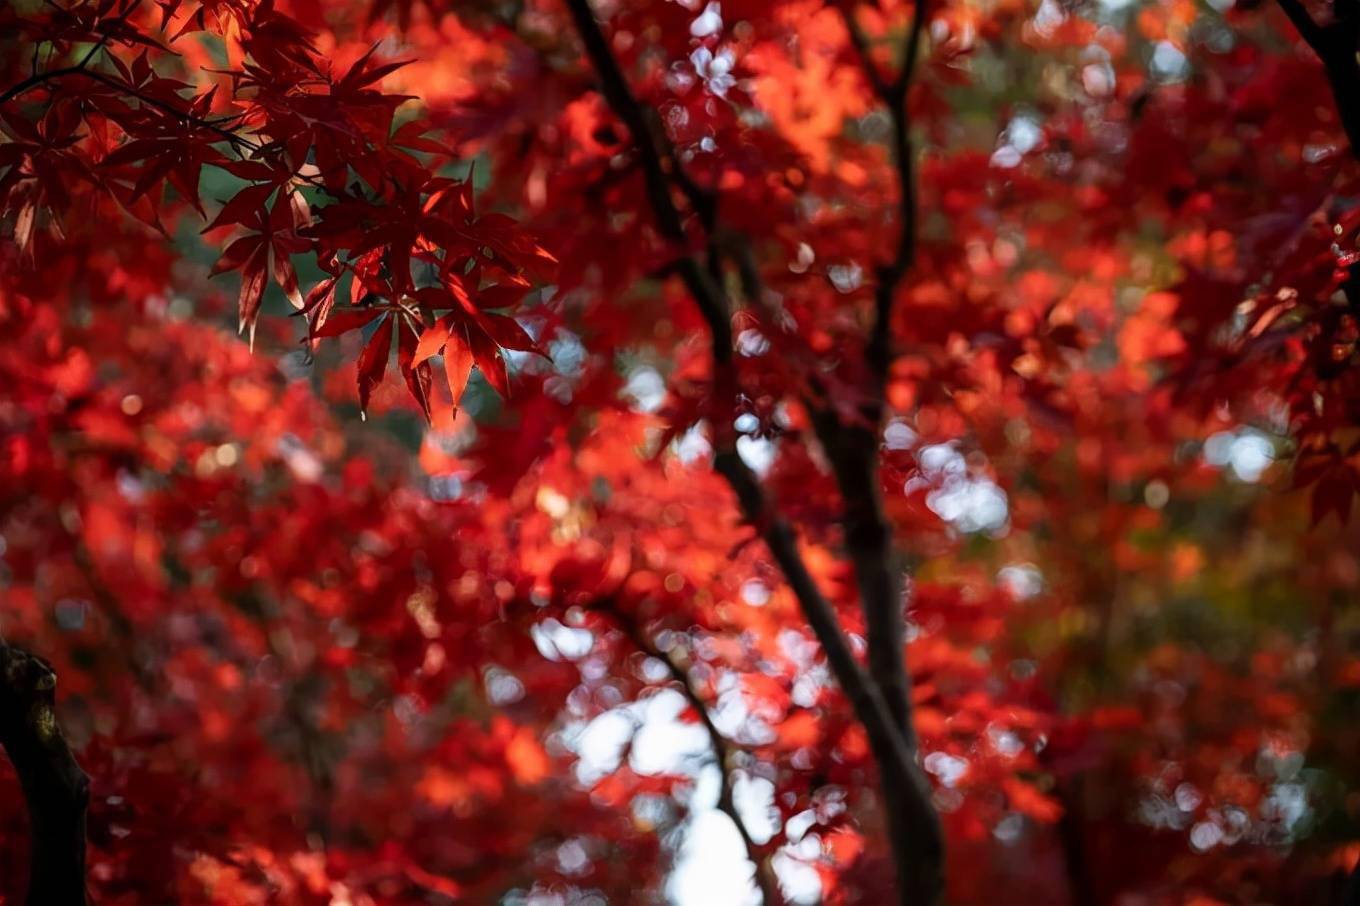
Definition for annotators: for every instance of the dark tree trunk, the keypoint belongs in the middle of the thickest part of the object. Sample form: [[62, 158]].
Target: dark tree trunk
[[55, 789], [1071, 829]]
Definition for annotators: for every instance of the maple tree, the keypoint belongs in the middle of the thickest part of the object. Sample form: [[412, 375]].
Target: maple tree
[[952, 410]]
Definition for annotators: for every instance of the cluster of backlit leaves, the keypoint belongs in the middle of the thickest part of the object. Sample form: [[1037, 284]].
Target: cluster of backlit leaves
[[321, 166], [1037, 329], [407, 678], [1253, 203], [251, 627]]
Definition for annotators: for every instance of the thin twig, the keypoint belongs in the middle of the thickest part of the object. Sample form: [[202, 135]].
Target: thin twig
[[758, 855], [38, 78], [893, 96], [235, 139]]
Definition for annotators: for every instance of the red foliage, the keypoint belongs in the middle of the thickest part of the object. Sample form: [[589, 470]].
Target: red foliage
[[310, 661]]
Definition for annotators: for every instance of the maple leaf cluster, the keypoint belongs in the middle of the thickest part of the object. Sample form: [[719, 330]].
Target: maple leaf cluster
[[319, 166], [894, 408]]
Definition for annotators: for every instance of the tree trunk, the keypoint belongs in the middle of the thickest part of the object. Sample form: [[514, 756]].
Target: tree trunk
[[56, 790]]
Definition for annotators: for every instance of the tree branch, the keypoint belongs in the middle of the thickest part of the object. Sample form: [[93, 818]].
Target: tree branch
[[1335, 44], [620, 98], [914, 830], [1308, 29], [56, 790], [860, 42], [893, 96], [238, 142], [39, 77], [853, 449], [768, 884], [33, 81]]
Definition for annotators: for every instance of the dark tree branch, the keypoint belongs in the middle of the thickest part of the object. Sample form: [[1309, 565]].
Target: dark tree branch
[[893, 96], [1309, 30], [853, 449], [860, 42], [56, 790], [655, 169], [38, 78], [1336, 44], [707, 294], [914, 830], [853, 452], [768, 884]]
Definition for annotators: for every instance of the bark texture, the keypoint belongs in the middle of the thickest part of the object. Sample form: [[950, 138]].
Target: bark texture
[[56, 790]]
